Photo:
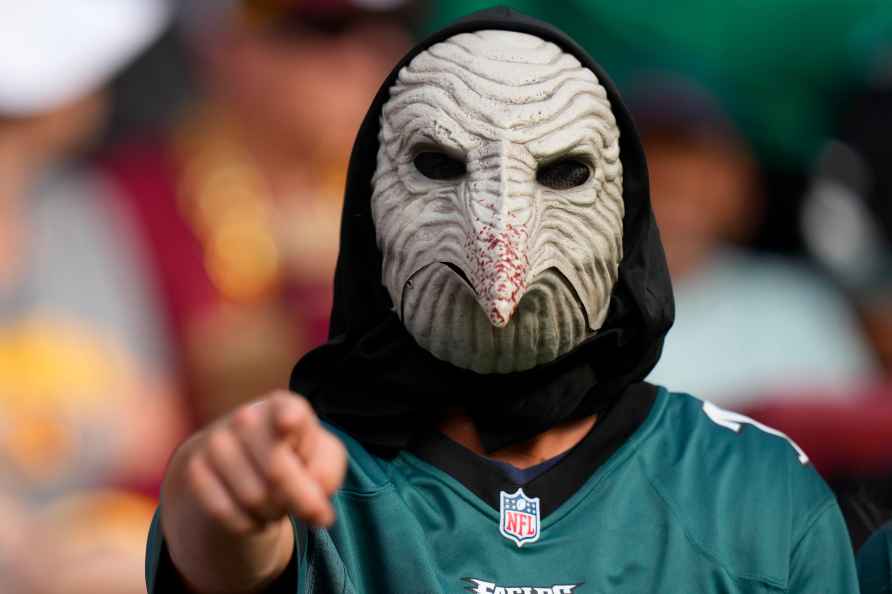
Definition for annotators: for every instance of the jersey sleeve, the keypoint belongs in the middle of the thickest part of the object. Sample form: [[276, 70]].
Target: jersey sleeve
[[822, 560], [875, 563], [162, 576]]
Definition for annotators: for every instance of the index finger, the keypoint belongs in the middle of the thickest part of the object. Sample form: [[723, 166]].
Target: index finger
[[292, 419], [321, 453]]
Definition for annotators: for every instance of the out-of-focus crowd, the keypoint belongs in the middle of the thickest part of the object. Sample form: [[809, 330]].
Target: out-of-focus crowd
[[170, 184]]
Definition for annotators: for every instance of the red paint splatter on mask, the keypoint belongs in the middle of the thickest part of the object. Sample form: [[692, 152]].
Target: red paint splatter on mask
[[498, 256]]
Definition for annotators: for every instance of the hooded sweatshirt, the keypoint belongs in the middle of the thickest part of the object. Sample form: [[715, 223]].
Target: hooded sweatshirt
[[372, 379]]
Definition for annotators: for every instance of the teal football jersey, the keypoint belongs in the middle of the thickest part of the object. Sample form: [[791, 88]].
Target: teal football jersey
[[667, 494], [875, 563]]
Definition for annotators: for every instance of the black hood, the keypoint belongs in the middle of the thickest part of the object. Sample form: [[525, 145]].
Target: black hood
[[374, 381]]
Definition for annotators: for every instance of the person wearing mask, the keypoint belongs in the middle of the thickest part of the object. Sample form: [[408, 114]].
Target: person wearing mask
[[500, 295]]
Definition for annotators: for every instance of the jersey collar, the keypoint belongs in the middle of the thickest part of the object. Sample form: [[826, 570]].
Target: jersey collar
[[559, 483]]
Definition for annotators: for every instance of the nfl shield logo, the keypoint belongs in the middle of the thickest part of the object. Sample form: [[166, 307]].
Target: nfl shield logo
[[520, 517]]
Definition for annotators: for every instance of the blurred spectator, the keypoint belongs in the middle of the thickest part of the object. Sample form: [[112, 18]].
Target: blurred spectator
[[848, 214], [86, 395], [875, 563], [240, 201], [848, 225], [746, 323], [92, 543]]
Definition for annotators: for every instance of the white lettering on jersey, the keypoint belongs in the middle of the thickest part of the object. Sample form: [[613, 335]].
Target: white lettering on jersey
[[484, 587], [734, 421]]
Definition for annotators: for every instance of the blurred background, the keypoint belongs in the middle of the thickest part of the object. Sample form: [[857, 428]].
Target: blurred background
[[170, 186]]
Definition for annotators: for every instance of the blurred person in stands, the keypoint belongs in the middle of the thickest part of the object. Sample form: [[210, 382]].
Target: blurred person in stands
[[240, 201], [746, 323], [847, 223], [86, 400], [875, 563]]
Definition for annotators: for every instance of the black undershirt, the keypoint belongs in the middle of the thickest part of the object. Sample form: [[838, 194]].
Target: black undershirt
[[559, 482]]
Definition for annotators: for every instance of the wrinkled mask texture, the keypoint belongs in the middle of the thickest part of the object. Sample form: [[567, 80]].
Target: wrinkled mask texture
[[497, 201]]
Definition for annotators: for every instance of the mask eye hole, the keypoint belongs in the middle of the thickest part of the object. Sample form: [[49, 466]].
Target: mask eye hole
[[563, 174], [439, 166]]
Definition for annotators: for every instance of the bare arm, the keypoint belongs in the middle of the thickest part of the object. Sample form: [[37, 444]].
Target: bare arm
[[230, 488]]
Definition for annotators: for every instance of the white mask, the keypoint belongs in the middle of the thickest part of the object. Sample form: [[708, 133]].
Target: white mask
[[497, 201]]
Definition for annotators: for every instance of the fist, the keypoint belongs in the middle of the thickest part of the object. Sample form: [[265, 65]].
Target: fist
[[261, 462]]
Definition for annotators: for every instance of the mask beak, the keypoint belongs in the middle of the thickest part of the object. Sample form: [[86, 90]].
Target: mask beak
[[498, 210], [497, 203], [501, 271]]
